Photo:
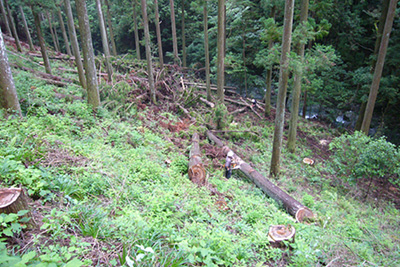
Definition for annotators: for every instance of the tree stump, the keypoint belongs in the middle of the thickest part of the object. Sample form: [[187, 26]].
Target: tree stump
[[279, 233], [13, 200]]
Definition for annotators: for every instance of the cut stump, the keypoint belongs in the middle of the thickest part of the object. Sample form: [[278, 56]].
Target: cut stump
[[279, 233], [13, 200]]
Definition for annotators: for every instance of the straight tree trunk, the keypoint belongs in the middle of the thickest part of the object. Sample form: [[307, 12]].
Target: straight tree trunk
[[55, 32], [64, 32], [379, 67], [13, 28], [268, 79], [294, 115], [4, 13], [111, 30], [174, 38], [53, 36], [381, 26], [42, 44], [136, 31], [158, 32], [244, 58], [148, 51], [292, 206], [88, 55], [28, 34], [183, 35], [9, 98], [207, 53], [221, 50], [74, 43], [103, 33], [283, 80]]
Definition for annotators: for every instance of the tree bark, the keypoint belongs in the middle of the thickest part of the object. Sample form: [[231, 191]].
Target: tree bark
[[55, 32], [283, 80], [103, 33], [183, 35], [158, 32], [197, 172], [148, 52], [64, 32], [379, 67], [9, 98], [244, 58], [74, 43], [221, 50], [174, 38], [207, 52], [42, 44], [13, 28], [52, 31], [292, 206], [111, 30], [268, 81], [294, 115], [26, 28], [4, 13], [88, 55], [136, 31]]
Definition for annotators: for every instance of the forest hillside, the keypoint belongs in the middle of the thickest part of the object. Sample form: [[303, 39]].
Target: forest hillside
[[111, 188]]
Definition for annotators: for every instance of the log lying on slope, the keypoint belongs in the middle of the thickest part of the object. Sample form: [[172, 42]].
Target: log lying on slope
[[295, 208], [197, 173]]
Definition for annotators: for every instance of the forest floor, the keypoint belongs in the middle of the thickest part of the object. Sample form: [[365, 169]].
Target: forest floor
[[129, 150]]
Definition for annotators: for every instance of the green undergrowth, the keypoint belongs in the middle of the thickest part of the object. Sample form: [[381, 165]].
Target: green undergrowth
[[112, 181]]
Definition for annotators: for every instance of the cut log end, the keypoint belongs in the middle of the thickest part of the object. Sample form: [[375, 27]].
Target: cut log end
[[197, 174], [303, 214], [279, 233]]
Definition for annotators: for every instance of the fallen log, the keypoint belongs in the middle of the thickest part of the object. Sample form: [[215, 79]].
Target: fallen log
[[197, 173], [13, 200], [292, 206], [211, 104], [243, 104]]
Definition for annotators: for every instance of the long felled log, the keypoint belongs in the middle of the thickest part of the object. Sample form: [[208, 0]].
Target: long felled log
[[197, 173], [295, 208]]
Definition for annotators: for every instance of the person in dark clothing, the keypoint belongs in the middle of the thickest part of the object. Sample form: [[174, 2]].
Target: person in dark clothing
[[228, 165]]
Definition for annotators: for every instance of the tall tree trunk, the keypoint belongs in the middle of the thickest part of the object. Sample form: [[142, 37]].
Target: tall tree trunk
[[55, 32], [304, 104], [148, 51], [381, 26], [9, 98], [379, 67], [88, 55], [158, 32], [4, 13], [294, 115], [111, 30], [51, 31], [221, 51], [64, 32], [13, 28], [283, 80], [136, 31], [42, 44], [244, 58], [183, 35], [268, 78], [174, 38], [74, 43], [207, 53], [28, 34], [103, 33]]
